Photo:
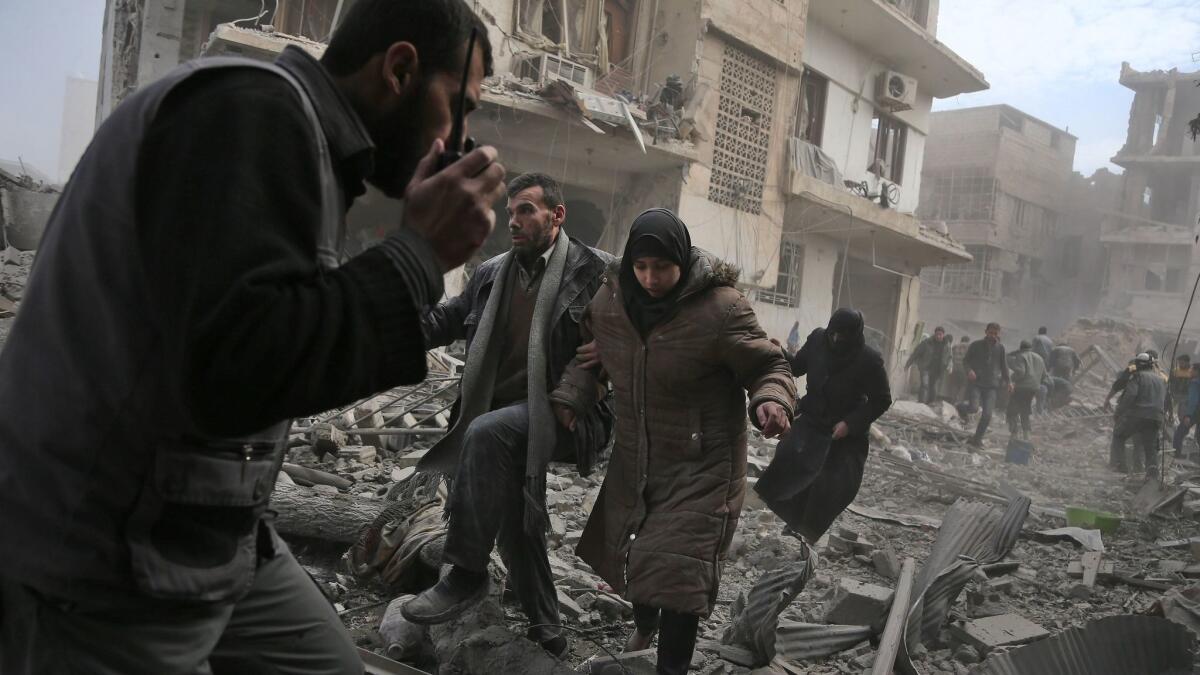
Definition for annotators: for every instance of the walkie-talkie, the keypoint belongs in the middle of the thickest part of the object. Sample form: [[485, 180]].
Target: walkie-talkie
[[458, 146]]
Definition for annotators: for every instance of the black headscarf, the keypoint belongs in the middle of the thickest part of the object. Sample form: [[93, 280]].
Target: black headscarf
[[847, 324], [656, 233]]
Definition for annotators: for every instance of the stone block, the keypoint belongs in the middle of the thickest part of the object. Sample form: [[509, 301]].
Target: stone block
[[853, 603], [612, 608], [570, 610], [998, 631], [886, 563], [411, 459], [361, 454]]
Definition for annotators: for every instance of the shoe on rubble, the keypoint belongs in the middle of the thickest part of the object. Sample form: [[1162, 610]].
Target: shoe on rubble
[[555, 646], [454, 594]]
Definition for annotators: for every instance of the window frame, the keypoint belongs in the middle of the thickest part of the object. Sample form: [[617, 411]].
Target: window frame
[[809, 126], [882, 125]]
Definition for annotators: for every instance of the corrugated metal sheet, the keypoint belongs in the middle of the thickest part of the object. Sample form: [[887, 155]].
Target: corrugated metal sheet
[[802, 641], [1117, 645], [972, 534], [754, 627]]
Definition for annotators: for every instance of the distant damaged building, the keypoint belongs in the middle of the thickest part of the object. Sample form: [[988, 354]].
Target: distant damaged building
[[788, 135], [1149, 238], [998, 179]]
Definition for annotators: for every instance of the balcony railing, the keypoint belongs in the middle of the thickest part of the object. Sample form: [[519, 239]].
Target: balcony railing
[[971, 283]]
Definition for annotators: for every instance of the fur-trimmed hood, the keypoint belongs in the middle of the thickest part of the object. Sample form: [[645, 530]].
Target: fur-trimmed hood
[[707, 271]]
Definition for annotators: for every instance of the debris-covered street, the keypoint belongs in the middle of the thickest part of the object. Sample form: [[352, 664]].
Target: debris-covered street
[[919, 468]]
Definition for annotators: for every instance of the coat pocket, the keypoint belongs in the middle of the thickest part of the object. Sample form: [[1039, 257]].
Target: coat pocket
[[192, 534]]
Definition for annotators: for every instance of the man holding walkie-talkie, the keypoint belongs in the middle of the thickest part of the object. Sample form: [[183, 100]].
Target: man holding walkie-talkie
[[190, 297]]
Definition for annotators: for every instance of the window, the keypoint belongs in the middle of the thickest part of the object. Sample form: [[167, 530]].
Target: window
[[810, 118], [618, 21], [966, 193], [1153, 281], [312, 19], [787, 285], [577, 24], [888, 138]]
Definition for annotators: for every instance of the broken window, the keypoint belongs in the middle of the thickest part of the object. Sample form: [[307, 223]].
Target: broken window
[[888, 138], [1153, 281], [312, 19], [787, 284], [602, 30], [1012, 121], [810, 118]]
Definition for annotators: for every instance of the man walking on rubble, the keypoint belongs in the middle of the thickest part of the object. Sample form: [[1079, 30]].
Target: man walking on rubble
[[520, 316], [138, 537], [1042, 344], [1028, 374], [987, 371], [932, 358], [1140, 416]]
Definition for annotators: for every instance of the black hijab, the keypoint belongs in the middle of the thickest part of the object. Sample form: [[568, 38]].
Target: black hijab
[[847, 325], [656, 233]]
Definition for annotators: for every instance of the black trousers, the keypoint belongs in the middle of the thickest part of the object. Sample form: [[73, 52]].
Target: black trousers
[[1020, 407], [1145, 445], [487, 508], [676, 636]]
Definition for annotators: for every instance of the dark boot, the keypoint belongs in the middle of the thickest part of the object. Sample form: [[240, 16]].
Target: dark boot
[[454, 594]]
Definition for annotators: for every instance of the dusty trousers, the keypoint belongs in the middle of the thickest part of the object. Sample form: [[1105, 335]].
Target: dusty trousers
[[487, 508], [283, 625], [1020, 407], [676, 636], [1144, 433]]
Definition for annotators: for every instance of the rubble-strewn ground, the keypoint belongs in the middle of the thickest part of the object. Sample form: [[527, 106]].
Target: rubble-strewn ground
[[14, 272], [1068, 469]]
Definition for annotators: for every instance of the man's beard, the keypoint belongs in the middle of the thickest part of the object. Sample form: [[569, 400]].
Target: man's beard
[[398, 149], [535, 245]]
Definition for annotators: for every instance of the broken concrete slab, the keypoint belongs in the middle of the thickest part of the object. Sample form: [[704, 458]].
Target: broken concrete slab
[[886, 563], [411, 459], [630, 663], [854, 603], [363, 454], [998, 631]]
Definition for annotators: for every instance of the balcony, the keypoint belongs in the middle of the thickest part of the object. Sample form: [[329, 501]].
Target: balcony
[[963, 283], [882, 29]]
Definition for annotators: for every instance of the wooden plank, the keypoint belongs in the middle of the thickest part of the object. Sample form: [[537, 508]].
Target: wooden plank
[[1091, 566], [375, 664], [893, 630]]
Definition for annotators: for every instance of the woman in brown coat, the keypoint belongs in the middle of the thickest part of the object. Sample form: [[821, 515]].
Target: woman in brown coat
[[681, 348]]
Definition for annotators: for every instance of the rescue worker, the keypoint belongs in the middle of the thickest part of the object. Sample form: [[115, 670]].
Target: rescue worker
[[1139, 416], [1189, 410], [931, 357], [218, 306], [683, 350], [1042, 344]]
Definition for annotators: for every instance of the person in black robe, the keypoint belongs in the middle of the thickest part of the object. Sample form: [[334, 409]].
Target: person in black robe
[[818, 466]]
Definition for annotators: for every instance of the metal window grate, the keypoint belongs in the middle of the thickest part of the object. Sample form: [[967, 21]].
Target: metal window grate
[[743, 139]]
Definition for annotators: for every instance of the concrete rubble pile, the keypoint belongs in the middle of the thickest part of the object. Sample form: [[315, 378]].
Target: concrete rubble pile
[[948, 563], [14, 273]]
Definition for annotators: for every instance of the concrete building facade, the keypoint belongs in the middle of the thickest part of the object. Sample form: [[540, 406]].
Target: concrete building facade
[[708, 107], [998, 179], [1149, 234], [78, 124]]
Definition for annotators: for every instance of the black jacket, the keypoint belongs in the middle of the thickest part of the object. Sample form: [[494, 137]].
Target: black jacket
[[989, 361], [857, 394], [458, 317]]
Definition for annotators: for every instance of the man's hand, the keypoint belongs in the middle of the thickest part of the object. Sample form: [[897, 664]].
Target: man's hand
[[1108, 404], [840, 431], [971, 375], [565, 415], [452, 208], [1011, 387], [588, 355], [773, 419]]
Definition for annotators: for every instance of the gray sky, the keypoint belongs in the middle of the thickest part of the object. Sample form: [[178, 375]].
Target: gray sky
[[42, 42], [1055, 59]]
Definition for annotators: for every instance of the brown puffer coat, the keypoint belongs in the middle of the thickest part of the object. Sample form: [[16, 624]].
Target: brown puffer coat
[[675, 484]]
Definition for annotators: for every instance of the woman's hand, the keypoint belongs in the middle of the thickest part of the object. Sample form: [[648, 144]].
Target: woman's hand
[[840, 431], [773, 419], [588, 355], [565, 415]]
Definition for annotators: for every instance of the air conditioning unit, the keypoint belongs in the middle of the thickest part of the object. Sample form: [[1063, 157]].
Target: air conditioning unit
[[542, 67], [896, 91]]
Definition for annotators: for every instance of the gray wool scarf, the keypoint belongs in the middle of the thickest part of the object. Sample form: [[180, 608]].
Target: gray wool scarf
[[479, 380]]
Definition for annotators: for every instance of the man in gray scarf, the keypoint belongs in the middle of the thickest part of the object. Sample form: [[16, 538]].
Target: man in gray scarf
[[519, 315]]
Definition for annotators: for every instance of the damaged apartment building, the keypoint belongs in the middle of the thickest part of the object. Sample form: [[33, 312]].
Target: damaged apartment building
[[998, 180], [788, 135], [1149, 236]]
